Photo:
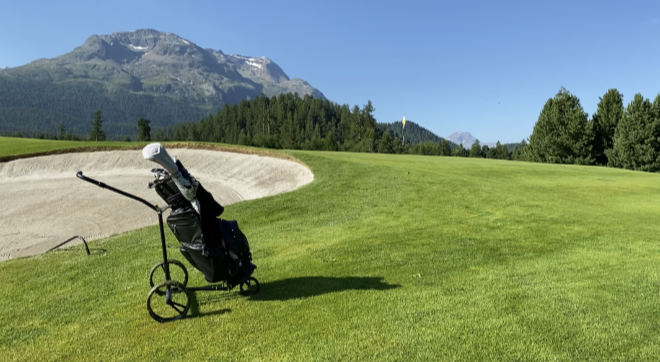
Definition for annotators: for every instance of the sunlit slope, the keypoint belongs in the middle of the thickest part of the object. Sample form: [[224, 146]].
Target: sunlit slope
[[384, 257]]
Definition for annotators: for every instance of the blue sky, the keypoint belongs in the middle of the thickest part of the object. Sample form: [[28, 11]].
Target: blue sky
[[486, 67]]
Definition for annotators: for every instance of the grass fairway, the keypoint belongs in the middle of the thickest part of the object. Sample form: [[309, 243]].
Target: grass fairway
[[383, 257], [11, 146]]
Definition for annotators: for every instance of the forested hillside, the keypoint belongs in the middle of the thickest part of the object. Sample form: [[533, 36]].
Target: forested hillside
[[44, 107], [413, 133], [291, 122], [288, 121]]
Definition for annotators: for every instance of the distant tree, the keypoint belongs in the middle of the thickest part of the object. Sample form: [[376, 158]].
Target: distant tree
[[368, 128], [329, 143], [486, 152], [289, 121], [386, 143], [562, 133], [243, 139], [97, 133], [61, 132], [607, 117], [500, 152], [430, 148], [459, 151], [475, 150], [143, 130], [445, 149], [636, 144], [64, 134], [161, 135], [520, 152]]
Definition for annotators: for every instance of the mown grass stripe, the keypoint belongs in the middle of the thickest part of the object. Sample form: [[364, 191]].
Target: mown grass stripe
[[382, 257]]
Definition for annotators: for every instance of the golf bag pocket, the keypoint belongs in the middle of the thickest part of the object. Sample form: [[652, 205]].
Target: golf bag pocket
[[238, 250], [235, 240], [186, 225], [208, 261]]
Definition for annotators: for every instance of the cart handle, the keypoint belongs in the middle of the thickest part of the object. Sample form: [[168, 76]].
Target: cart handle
[[102, 185]]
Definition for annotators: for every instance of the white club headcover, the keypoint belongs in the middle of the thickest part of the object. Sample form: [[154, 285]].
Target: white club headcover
[[156, 152]]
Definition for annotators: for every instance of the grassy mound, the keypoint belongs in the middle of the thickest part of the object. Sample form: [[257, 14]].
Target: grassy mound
[[385, 257]]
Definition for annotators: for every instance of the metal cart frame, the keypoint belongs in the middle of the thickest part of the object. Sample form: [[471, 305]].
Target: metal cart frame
[[176, 293]]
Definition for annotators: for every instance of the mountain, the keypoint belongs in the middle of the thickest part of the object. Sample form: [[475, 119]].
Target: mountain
[[462, 138], [413, 132], [146, 73], [466, 139]]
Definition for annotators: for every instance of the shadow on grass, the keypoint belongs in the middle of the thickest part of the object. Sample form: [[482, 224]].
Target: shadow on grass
[[81, 250], [194, 311], [305, 287]]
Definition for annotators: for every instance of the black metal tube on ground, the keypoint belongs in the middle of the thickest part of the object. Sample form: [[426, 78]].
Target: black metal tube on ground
[[69, 240]]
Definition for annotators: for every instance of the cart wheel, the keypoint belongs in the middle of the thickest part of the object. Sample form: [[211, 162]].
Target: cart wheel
[[157, 275], [168, 301], [250, 286]]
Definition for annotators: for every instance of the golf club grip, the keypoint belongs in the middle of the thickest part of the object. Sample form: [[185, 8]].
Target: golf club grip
[[90, 180]]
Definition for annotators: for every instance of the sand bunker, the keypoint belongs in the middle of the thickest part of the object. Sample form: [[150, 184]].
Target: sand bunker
[[43, 203]]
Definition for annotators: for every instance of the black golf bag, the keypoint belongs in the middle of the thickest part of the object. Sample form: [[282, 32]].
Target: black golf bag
[[214, 246]]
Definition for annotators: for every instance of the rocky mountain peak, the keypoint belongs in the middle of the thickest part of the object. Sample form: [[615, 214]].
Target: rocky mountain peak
[[153, 57], [462, 138], [127, 70], [261, 67], [127, 47]]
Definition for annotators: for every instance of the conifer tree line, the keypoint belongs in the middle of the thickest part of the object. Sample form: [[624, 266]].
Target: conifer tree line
[[614, 136], [291, 122], [287, 121]]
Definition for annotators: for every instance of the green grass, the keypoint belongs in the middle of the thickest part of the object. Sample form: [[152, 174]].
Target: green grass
[[10, 146], [383, 257]]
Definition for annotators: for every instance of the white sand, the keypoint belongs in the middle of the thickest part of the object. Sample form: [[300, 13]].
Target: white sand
[[43, 203]]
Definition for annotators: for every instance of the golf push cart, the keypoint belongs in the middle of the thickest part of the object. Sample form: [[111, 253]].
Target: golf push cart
[[214, 246]]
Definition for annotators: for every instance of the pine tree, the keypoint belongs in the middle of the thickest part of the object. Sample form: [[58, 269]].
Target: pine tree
[[475, 150], [144, 130], [459, 151], [501, 152], [385, 145], [562, 133], [605, 120], [486, 152], [521, 151], [97, 133], [444, 147], [636, 138]]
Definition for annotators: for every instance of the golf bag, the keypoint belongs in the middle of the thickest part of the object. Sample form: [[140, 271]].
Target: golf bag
[[214, 246]]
